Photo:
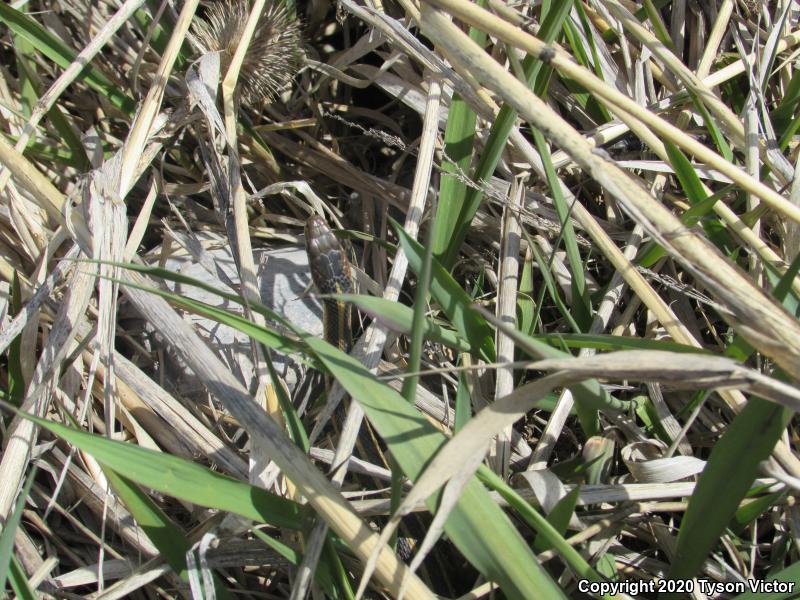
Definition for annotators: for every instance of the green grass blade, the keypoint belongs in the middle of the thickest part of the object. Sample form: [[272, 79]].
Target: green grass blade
[[581, 303], [539, 523], [16, 380], [459, 137], [170, 539], [332, 564], [686, 174], [31, 90], [731, 469], [790, 574], [61, 54], [322, 574], [23, 50], [456, 304], [606, 342], [551, 286], [463, 403], [559, 518], [752, 510], [9, 530], [452, 298], [398, 317], [696, 194], [652, 252], [478, 527], [552, 23], [713, 130], [182, 478], [418, 322], [161, 32], [658, 25], [526, 307], [19, 582]]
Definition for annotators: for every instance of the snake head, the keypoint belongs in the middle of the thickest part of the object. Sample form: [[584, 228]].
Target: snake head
[[330, 268]]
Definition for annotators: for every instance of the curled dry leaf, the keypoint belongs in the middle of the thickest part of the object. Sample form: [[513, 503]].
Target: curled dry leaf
[[647, 466]]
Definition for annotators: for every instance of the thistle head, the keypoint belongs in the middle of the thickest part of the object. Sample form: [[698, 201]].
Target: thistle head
[[275, 53]]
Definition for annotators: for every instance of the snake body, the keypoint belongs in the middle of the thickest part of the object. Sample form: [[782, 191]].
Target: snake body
[[332, 274]]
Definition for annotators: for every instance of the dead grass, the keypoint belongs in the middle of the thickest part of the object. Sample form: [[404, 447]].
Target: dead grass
[[614, 279]]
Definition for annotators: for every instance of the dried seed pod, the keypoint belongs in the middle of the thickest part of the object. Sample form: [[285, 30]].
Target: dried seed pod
[[275, 52]]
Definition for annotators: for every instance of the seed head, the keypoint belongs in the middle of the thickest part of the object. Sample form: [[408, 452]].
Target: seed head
[[275, 53]]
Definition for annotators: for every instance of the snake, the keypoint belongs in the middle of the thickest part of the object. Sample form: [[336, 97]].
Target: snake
[[331, 273]]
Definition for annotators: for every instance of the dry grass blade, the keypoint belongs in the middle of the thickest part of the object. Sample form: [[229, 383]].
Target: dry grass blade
[[764, 323], [585, 372], [309, 481]]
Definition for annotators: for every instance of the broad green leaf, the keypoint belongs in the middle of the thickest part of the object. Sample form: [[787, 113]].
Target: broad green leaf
[[168, 537], [182, 478], [790, 574], [559, 518], [731, 469], [398, 318]]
